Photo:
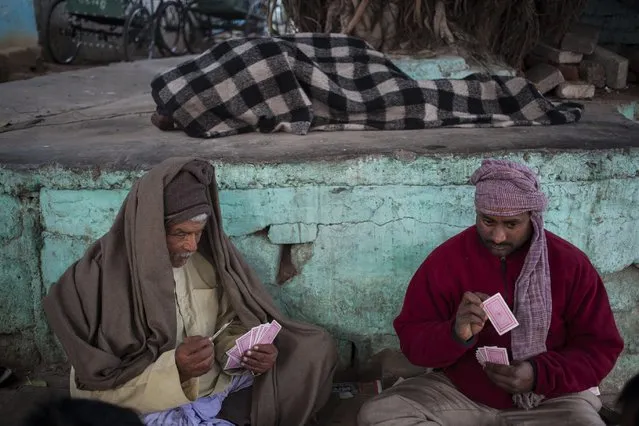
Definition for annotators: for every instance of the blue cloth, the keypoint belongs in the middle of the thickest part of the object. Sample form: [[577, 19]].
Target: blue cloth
[[201, 412]]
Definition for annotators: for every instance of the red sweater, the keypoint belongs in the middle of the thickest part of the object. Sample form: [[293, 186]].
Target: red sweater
[[583, 343]]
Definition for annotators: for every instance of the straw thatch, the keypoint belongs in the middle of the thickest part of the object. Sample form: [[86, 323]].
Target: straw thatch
[[506, 29]]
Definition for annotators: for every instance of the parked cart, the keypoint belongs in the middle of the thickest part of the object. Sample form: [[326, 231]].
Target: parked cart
[[134, 27]]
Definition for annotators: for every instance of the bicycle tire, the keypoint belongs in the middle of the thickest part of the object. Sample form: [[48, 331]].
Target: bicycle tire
[[51, 52], [190, 22], [166, 48], [138, 12]]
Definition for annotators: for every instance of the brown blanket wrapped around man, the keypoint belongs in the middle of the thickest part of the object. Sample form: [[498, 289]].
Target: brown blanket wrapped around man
[[114, 310]]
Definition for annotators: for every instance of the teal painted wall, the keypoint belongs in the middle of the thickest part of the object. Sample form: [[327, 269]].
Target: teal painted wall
[[17, 24], [358, 229]]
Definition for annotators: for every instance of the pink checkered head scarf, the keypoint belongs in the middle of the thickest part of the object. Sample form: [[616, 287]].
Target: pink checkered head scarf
[[505, 188]]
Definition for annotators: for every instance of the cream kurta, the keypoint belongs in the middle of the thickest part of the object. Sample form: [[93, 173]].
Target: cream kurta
[[202, 308]]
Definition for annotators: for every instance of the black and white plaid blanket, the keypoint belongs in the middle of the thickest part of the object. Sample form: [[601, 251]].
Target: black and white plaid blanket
[[309, 82]]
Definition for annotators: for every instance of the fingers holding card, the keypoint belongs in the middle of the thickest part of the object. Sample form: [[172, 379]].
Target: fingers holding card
[[263, 334], [493, 355]]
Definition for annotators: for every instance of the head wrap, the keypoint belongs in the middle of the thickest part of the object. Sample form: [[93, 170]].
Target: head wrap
[[185, 197], [505, 188]]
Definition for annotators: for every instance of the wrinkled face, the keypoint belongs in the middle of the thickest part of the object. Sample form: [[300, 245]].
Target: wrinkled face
[[182, 239], [504, 235]]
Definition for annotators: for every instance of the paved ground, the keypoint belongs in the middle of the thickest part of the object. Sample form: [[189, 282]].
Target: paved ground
[[34, 388], [100, 116]]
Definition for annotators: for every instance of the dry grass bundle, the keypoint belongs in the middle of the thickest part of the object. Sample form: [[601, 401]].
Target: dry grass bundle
[[507, 29]]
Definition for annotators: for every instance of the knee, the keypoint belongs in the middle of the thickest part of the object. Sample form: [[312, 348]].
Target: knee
[[382, 409], [367, 414]]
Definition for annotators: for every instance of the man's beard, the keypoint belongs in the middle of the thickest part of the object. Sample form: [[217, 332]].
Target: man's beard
[[180, 258]]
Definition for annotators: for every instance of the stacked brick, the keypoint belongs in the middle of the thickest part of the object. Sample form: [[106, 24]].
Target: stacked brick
[[578, 65]]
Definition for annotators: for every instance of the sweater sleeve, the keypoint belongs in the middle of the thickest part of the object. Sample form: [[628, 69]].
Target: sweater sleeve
[[592, 344], [425, 323]]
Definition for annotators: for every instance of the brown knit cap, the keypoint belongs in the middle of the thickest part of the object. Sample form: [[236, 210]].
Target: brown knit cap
[[185, 197]]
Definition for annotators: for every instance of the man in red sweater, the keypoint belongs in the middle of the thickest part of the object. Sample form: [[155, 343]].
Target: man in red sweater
[[566, 342]]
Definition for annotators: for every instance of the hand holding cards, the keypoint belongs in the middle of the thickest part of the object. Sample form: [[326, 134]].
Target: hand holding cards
[[263, 334], [492, 354]]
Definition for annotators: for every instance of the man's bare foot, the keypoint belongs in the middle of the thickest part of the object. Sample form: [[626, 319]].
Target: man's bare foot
[[162, 122]]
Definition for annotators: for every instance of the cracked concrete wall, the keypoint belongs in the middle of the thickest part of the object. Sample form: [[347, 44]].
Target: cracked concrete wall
[[355, 231]]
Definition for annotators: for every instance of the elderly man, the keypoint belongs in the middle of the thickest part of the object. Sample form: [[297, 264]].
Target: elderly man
[[566, 342], [137, 314]]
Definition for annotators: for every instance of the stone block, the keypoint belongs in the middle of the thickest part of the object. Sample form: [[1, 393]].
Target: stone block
[[15, 60], [292, 233], [575, 90], [569, 71], [60, 211], [545, 77], [616, 67], [557, 56], [581, 38], [593, 72]]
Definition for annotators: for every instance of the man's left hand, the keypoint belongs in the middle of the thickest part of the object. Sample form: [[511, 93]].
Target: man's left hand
[[516, 378], [260, 358]]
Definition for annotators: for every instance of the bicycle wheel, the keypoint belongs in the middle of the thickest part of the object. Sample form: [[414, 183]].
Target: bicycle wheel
[[137, 34], [199, 29], [60, 38], [168, 28]]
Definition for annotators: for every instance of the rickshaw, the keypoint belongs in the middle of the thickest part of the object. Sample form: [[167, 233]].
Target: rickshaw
[[134, 27]]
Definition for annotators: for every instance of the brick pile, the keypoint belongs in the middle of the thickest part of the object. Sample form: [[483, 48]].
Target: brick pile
[[578, 65]]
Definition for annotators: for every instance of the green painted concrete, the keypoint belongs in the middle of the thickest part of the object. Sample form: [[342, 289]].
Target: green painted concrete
[[630, 111], [449, 67], [358, 229]]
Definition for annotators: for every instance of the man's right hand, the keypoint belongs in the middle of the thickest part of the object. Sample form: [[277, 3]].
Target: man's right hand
[[470, 318], [194, 357]]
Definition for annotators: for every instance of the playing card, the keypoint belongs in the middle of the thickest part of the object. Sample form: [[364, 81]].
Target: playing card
[[260, 332], [492, 354], [499, 314], [231, 363], [497, 355], [234, 352], [243, 342], [253, 333], [480, 357], [270, 333]]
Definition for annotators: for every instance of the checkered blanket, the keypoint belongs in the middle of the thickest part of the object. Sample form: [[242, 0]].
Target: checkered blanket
[[309, 82]]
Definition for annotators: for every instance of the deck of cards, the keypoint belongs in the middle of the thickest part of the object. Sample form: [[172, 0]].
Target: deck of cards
[[499, 314], [492, 354], [263, 334]]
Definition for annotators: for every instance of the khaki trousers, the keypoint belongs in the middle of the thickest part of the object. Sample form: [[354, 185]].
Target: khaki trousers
[[432, 399]]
